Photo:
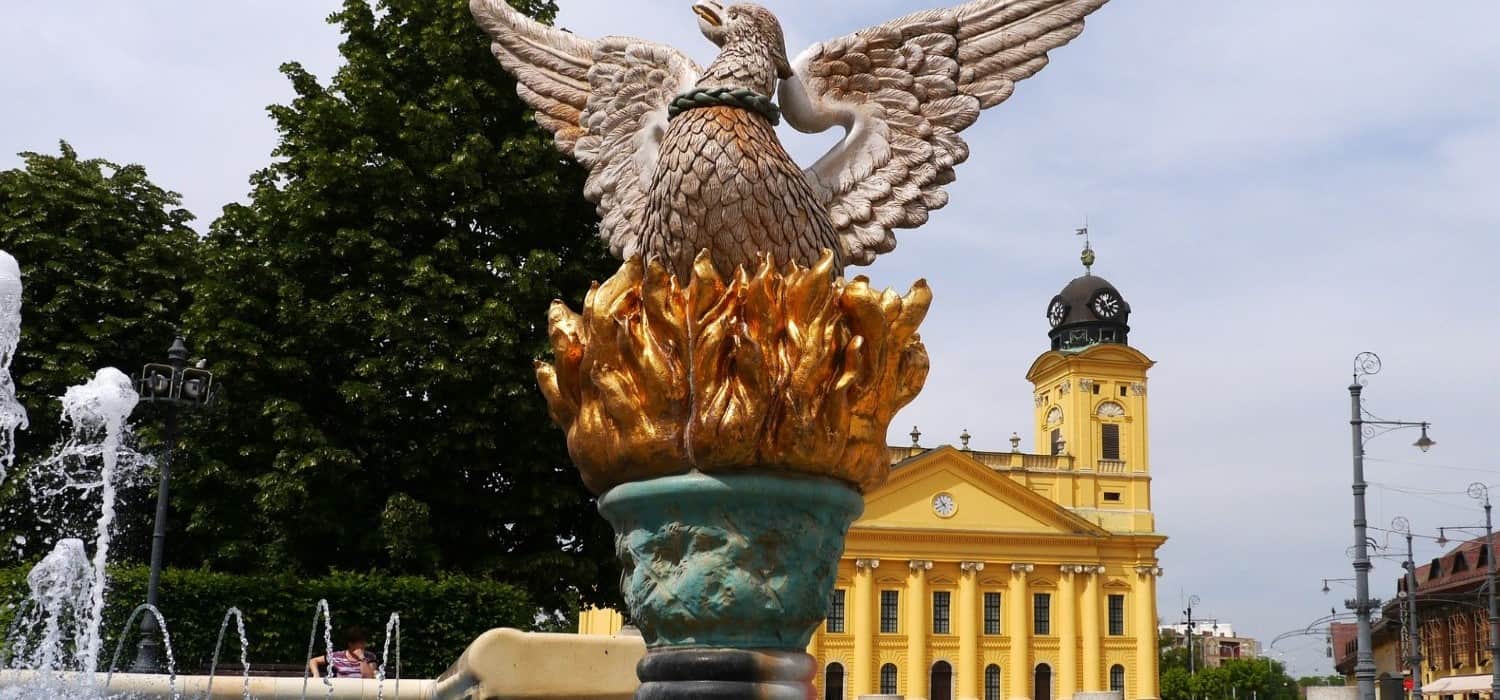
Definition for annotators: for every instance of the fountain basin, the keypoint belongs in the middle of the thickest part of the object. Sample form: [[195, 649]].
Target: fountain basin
[[149, 685], [501, 664]]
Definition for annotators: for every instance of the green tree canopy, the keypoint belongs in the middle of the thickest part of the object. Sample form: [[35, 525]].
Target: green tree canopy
[[373, 314], [1233, 679], [105, 255]]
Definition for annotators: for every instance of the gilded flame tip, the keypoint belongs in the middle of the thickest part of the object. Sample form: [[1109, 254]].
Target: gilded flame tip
[[793, 370]]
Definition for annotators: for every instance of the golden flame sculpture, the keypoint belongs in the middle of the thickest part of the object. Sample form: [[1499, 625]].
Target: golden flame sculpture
[[780, 370]]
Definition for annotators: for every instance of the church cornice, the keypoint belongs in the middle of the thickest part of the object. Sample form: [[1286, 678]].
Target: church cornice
[[1109, 355], [902, 533]]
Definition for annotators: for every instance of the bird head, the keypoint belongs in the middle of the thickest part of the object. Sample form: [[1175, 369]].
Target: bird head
[[744, 24]]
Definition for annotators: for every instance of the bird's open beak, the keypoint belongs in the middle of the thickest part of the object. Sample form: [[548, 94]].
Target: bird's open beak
[[710, 12]]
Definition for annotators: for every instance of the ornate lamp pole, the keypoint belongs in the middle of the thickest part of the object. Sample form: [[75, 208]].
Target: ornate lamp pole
[[1364, 426], [1409, 596], [177, 386]]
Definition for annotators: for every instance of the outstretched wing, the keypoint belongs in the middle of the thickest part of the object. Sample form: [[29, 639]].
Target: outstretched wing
[[605, 101], [904, 91]]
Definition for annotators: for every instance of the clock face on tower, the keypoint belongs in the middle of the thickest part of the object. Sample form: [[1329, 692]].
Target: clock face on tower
[[1106, 304], [944, 505], [1057, 311]]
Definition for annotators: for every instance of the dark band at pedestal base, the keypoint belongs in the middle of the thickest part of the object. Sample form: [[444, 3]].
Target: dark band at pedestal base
[[725, 674]]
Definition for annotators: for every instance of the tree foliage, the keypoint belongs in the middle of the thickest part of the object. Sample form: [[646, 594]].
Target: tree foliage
[[373, 314], [1242, 679], [105, 255]]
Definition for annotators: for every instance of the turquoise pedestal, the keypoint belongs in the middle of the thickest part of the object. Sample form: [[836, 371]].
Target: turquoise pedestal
[[728, 576]]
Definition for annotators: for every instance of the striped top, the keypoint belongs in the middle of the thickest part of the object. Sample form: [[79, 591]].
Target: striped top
[[345, 665]]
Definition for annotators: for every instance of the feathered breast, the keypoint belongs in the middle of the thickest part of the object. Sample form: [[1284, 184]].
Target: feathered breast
[[725, 184]]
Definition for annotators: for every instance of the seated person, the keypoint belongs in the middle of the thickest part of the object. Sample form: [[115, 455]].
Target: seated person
[[355, 661]]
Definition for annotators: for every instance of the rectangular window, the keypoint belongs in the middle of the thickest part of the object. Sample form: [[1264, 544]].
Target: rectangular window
[[992, 613], [940, 600], [889, 603], [1117, 616], [1041, 614], [836, 612], [1057, 441], [1109, 437], [1112, 496]]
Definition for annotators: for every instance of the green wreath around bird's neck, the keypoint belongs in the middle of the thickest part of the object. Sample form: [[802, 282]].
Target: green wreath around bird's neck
[[727, 97]]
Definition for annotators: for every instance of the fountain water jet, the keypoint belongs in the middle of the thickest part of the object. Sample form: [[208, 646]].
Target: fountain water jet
[[239, 623], [166, 638], [66, 602], [322, 610], [12, 413], [59, 602], [98, 411], [385, 654]]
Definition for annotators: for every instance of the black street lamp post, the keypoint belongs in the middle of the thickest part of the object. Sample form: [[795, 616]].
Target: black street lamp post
[[178, 387]]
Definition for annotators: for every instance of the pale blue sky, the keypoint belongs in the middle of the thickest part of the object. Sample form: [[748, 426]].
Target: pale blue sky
[[1274, 185]]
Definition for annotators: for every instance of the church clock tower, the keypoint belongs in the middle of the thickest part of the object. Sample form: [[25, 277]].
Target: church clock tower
[[1090, 395]]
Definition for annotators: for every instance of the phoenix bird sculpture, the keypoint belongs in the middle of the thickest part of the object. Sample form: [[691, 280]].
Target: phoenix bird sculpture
[[684, 159]]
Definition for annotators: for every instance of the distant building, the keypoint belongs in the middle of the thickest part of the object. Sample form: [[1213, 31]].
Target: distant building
[[1215, 642]]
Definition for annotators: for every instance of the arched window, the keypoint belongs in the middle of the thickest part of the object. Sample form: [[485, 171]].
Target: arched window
[[940, 684], [833, 682], [1109, 430], [888, 679], [1117, 678], [992, 682], [1110, 409], [1042, 689]]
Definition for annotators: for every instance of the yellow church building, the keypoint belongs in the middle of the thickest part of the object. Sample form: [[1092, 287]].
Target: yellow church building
[[1011, 575]]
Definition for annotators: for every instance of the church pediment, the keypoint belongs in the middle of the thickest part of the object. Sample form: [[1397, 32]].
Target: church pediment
[[946, 489]]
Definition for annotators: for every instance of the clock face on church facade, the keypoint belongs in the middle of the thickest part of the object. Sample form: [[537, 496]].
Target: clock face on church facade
[[944, 505]]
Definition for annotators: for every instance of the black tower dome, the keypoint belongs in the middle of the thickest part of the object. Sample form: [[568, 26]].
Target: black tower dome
[[1089, 311]]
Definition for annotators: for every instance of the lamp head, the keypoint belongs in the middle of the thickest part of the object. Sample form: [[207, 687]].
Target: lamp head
[[1424, 443]]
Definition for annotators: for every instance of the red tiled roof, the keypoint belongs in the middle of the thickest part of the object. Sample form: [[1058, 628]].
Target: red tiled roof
[[1447, 579]]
